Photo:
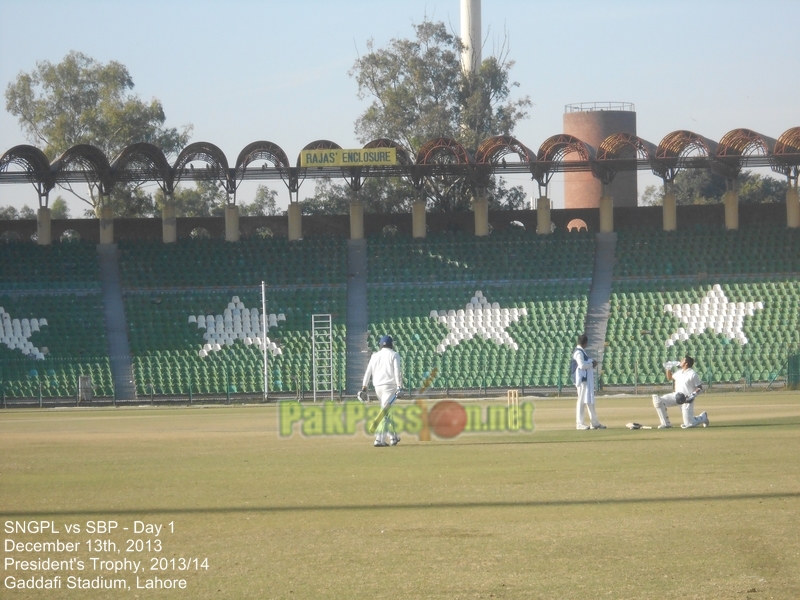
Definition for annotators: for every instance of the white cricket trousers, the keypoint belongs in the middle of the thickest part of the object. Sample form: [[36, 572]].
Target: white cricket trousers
[[662, 402], [583, 400], [384, 394]]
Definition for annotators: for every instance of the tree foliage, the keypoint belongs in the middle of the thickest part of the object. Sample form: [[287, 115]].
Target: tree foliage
[[9, 213], [418, 92], [59, 209], [702, 186], [205, 199], [83, 101], [264, 204]]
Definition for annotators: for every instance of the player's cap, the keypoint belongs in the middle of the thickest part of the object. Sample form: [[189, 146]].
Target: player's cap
[[386, 342]]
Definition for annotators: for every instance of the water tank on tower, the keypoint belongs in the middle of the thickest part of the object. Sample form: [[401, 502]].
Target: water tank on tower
[[592, 122]]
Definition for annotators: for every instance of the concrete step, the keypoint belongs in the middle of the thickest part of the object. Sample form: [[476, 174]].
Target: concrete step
[[116, 323], [598, 311], [357, 353]]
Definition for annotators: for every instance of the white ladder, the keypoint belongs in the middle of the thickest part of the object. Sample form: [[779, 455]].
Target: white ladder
[[322, 355]]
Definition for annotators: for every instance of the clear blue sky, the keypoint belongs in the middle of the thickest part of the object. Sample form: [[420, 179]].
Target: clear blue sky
[[243, 70]]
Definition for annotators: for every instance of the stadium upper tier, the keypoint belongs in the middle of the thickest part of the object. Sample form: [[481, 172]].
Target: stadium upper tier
[[755, 250], [65, 266], [200, 263], [510, 256]]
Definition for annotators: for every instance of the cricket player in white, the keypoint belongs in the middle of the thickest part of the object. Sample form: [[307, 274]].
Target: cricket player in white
[[687, 386], [384, 369], [584, 383]]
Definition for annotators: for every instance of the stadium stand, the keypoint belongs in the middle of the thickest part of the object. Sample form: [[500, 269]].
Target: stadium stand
[[533, 288], [728, 298], [66, 338], [201, 263], [60, 267], [498, 311], [755, 249], [53, 327], [460, 257], [170, 289]]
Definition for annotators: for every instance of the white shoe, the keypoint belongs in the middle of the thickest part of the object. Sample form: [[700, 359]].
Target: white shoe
[[704, 418], [581, 427], [665, 426], [394, 441], [380, 444], [598, 426]]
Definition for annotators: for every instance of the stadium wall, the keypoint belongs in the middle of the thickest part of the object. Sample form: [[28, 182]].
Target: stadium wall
[[648, 217]]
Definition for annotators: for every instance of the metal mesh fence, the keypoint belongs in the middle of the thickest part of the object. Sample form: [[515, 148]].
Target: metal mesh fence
[[88, 381]]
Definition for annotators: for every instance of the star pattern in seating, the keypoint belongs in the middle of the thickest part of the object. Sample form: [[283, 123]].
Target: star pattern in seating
[[16, 333], [236, 323], [478, 318], [713, 313]]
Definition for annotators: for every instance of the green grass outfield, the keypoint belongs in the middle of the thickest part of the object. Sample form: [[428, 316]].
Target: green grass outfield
[[557, 513]]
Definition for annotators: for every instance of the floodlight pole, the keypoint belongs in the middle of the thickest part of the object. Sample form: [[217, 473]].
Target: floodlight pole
[[264, 339]]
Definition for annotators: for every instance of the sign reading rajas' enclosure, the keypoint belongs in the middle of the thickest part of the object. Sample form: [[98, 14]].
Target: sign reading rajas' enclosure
[[341, 157]]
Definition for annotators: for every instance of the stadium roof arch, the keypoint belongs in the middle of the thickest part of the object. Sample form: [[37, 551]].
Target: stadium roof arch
[[37, 168], [620, 151], [737, 144], [679, 149], [443, 151], [552, 152], [492, 151], [143, 161], [92, 162], [441, 157], [786, 155], [217, 169], [262, 150]]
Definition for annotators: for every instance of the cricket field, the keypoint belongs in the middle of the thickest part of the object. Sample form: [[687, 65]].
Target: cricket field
[[212, 502]]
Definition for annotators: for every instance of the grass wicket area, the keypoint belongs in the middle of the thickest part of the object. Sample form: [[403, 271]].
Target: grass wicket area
[[556, 513]]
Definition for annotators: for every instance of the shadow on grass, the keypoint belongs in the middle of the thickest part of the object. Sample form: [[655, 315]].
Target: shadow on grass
[[416, 506]]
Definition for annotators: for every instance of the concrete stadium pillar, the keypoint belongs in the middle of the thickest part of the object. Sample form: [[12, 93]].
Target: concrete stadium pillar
[[543, 216], [295, 213], [670, 209], [792, 206], [356, 220], [169, 224], [44, 232], [419, 228], [606, 214], [480, 207], [731, 201], [106, 225], [231, 223]]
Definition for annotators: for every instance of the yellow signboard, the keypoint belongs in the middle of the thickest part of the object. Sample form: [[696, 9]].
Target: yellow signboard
[[370, 157]]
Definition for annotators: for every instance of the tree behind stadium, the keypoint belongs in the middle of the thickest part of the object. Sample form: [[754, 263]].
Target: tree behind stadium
[[419, 92], [702, 186], [82, 101]]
